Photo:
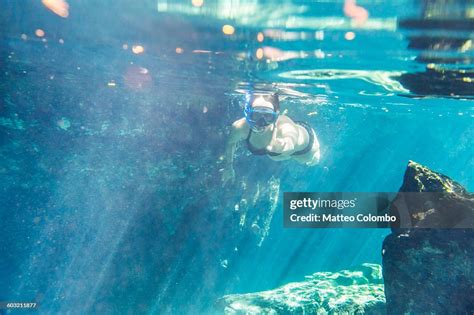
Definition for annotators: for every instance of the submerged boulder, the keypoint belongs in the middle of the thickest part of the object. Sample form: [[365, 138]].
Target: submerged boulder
[[428, 267], [358, 291]]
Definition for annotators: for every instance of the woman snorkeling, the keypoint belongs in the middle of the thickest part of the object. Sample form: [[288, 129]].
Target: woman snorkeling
[[268, 132]]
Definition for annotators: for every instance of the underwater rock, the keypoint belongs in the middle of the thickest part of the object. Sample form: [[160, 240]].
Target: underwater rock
[[429, 270], [358, 291], [443, 203]]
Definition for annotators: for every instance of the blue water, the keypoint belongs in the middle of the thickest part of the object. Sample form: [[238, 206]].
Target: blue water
[[110, 193]]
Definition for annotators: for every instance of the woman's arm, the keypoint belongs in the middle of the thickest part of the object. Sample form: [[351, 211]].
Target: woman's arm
[[237, 133]]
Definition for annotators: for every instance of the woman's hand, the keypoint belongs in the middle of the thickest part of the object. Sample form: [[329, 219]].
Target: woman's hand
[[228, 174], [276, 146], [281, 145]]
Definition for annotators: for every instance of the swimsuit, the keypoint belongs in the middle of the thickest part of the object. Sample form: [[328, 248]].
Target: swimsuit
[[264, 151]]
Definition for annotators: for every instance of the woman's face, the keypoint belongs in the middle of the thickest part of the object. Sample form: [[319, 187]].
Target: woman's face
[[261, 115]]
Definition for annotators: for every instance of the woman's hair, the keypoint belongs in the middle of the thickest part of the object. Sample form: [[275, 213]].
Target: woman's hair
[[272, 98]]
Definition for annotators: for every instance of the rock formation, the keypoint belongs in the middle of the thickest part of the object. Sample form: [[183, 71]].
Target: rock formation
[[428, 268], [358, 291]]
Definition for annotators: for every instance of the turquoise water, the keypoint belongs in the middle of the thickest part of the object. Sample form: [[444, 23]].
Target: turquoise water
[[111, 198]]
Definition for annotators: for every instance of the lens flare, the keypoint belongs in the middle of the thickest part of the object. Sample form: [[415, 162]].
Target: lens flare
[[138, 49], [59, 7], [357, 13], [349, 35], [228, 29], [197, 3], [39, 32]]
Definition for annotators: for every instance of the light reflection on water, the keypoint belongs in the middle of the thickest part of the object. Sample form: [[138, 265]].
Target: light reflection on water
[[294, 25], [287, 15], [384, 79]]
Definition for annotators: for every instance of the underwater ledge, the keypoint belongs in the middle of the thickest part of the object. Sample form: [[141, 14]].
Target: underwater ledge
[[357, 291], [425, 270]]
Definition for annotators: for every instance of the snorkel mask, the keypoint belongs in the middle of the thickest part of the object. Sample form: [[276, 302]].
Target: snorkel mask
[[259, 117]]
